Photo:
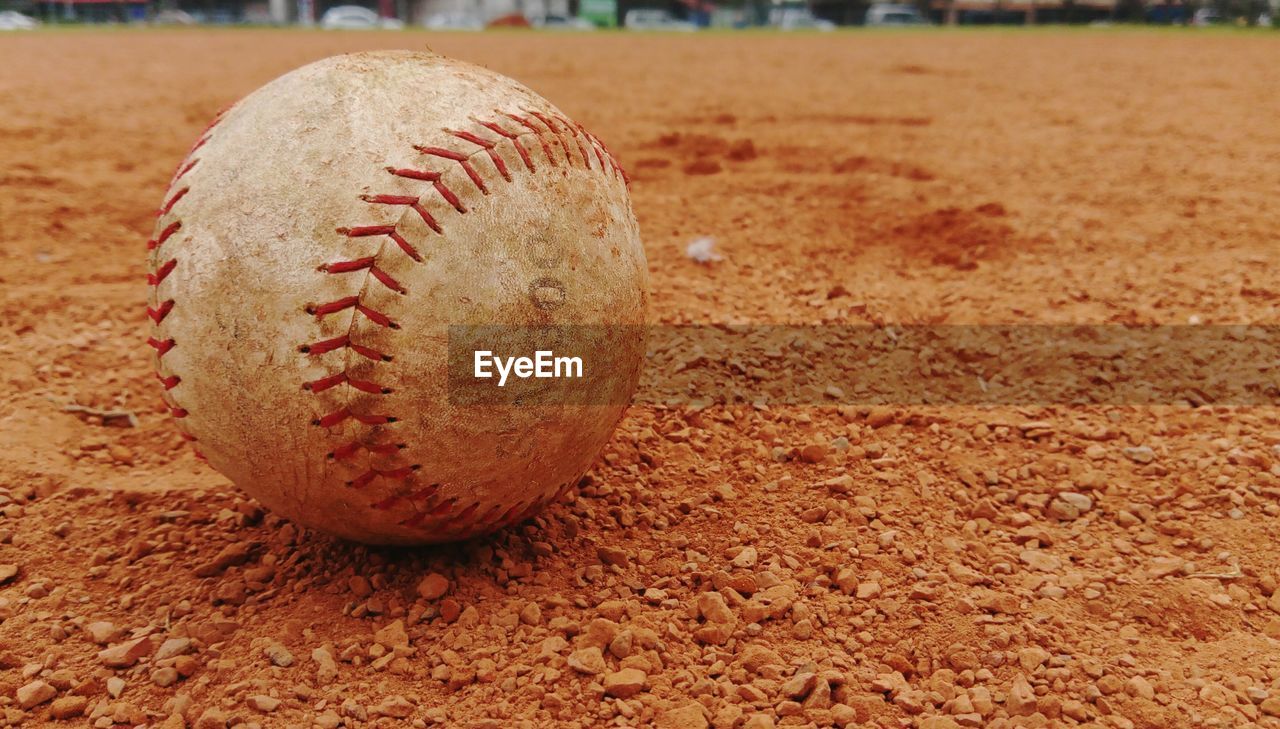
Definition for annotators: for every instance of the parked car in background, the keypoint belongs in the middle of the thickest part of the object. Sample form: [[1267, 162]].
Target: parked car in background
[[890, 16], [797, 17], [1207, 16], [563, 22], [653, 19], [13, 20], [354, 17], [218, 16], [458, 20], [173, 17]]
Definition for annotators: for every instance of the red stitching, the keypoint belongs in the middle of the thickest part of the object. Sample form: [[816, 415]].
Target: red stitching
[[372, 388], [160, 272], [154, 279], [613, 162], [492, 518], [573, 131], [424, 493], [324, 383], [489, 515], [358, 264], [326, 346], [337, 416], [365, 230], [537, 132], [515, 141], [186, 169], [160, 312], [322, 310], [344, 452], [396, 474], [467, 513], [444, 507], [568, 156], [165, 234], [164, 209], [387, 230], [586, 160], [377, 317], [413, 202], [463, 161], [385, 279], [595, 145], [427, 504], [334, 306], [160, 345], [351, 449], [434, 179], [421, 494], [487, 146], [365, 264], [454, 521], [333, 419]]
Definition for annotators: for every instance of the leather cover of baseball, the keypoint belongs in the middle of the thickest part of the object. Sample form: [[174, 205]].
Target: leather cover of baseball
[[315, 247]]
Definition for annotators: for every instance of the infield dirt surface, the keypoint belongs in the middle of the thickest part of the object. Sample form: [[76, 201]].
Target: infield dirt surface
[[916, 566]]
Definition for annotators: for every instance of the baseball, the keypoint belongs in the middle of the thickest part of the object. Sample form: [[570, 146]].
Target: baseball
[[315, 247]]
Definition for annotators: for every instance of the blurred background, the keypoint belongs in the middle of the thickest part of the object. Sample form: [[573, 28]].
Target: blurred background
[[671, 15]]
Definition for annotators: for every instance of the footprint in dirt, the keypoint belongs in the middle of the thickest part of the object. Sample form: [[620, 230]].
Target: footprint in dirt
[[707, 154]]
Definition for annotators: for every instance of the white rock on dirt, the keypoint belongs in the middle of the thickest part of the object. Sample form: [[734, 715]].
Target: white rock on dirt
[[625, 683], [263, 703], [126, 654], [278, 655], [1140, 454], [433, 586], [34, 694], [115, 687], [587, 660], [101, 632], [703, 250]]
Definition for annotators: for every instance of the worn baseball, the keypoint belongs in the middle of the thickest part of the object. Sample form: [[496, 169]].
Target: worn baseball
[[315, 250]]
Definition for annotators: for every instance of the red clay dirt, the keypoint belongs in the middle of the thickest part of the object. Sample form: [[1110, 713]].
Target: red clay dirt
[[932, 567]]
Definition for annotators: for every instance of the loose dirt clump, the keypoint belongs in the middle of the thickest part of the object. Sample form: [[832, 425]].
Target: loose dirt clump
[[955, 237]]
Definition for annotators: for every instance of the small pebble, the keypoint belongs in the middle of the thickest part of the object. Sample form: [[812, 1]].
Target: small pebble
[[433, 586]]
